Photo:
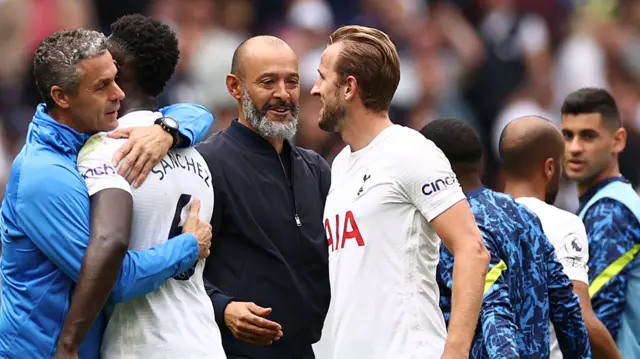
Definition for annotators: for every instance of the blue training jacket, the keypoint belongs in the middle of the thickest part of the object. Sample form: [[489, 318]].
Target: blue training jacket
[[524, 289], [45, 231]]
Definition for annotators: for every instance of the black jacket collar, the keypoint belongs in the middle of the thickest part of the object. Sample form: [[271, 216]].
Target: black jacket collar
[[253, 140]]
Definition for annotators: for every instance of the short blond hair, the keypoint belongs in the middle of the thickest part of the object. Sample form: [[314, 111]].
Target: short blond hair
[[370, 56]]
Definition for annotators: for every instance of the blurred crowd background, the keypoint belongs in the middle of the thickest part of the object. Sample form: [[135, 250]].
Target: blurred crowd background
[[485, 61]]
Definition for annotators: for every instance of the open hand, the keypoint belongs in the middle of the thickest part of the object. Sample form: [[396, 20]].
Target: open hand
[[145, 148], [247, 323]]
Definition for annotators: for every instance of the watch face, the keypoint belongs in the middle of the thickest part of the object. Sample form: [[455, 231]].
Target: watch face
[[171, 123]]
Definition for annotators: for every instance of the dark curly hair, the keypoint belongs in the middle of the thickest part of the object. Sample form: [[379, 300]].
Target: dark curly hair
[[152, 47], [457, 139]]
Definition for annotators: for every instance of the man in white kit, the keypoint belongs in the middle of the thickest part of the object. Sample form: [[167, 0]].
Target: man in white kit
[[177, 320], [532, 152], [393, 197]]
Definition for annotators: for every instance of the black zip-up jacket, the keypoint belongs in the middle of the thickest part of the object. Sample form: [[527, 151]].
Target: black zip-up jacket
[[269, 244]]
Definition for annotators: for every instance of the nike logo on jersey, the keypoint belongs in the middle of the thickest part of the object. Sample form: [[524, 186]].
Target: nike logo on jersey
[[364, 180]]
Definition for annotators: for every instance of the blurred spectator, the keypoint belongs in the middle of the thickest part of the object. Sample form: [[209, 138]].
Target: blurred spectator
[[486, 61]]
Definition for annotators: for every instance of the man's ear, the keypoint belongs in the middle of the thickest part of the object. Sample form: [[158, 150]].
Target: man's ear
[[549, 169], [59, 97], [619, 140], [351, 88], [234, 85]]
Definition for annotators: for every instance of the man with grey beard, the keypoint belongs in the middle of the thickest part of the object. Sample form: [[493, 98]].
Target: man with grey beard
[[267, 275]]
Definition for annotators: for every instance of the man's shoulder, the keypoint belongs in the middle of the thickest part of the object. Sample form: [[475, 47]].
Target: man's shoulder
[[550, 213], [611, 211], [99, 145], [493, 202], [520, 215], [408, 143], [312, 157], [214, 147], [49, 176], [487, 208]]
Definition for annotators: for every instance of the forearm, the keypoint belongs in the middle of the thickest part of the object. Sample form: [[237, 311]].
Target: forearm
[[194, 121], [145, 271], [602, 344], [469, 270], [110, 226]]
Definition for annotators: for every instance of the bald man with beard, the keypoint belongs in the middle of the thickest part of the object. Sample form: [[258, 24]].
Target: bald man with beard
[[532, 154], [268, 276]]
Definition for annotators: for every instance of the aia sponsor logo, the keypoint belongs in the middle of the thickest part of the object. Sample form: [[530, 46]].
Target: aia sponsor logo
[[439, 184], [104, 170], [342, 230]]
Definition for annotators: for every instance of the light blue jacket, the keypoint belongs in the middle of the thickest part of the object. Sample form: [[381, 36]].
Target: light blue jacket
[[622, 265], [44, 223]]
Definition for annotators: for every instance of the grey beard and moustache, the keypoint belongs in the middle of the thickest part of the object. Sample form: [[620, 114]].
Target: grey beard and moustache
[[259, 119]]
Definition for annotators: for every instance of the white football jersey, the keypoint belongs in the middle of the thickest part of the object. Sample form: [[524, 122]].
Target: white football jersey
[[566, 232], [177, 320], [383, 252]]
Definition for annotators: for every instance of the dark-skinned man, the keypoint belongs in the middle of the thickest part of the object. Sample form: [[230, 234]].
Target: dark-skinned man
[[46, 211], [176, 320], [532, 155], [525, 285], [268, 268]]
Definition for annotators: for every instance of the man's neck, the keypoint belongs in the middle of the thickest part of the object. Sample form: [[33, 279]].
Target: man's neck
[[360, 129], [612, 171], [468, 176], [137, 103], [63, 118], [522, 188], [276, 142]]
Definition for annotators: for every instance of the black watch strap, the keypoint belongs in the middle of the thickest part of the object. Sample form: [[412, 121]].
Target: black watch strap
[[171, 127]]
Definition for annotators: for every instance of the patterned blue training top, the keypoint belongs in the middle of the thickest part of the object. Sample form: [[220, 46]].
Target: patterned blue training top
[[612, 231], [526, 286]]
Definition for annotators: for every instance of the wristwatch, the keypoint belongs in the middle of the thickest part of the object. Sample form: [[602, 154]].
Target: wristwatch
[[171, 126]]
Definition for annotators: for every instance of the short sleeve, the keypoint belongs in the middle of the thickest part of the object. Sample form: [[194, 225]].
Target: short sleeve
[[426, 179], [94, 165], [573, 251]]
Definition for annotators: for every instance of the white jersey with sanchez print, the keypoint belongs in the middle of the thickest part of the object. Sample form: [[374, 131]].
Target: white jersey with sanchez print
[[383, 252], [566, 232], [177, 320]]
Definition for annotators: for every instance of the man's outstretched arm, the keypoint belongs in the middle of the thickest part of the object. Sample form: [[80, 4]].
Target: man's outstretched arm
[[194, 120], [147, 145]]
